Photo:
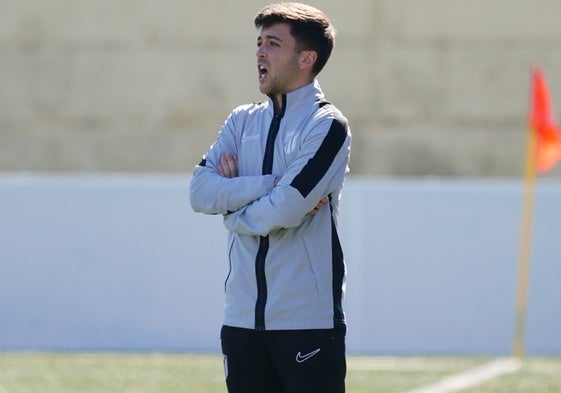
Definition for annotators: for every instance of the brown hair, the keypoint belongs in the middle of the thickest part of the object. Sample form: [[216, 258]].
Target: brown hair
[[310, 27]]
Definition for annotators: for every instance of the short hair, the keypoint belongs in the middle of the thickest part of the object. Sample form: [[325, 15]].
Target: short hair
[[310, 27]]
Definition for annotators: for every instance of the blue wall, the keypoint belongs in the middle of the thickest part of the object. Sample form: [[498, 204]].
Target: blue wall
[[121, 262]]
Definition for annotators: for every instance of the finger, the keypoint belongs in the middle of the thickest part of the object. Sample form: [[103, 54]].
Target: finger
[[220, 168], [322, 202], [313, 211], [233, 165], [223, 167], [230, 164]]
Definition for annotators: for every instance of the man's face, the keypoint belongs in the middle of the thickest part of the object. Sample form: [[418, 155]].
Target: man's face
[[277, 60]]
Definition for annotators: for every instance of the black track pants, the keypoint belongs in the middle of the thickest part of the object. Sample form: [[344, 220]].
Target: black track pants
[[284, 361]]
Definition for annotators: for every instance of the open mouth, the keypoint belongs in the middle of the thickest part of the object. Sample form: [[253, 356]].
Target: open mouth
[[263, 72]]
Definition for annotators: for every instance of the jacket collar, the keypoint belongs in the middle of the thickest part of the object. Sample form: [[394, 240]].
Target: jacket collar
[[305, 95]]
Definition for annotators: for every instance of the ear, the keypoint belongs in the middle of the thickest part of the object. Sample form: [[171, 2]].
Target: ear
[[308, 59]]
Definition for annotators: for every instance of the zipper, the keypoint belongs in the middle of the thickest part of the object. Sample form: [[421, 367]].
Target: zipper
[[261, 257]]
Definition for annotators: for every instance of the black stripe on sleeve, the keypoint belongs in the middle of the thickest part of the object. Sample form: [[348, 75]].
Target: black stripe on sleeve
[[203, 162], [318, 165]]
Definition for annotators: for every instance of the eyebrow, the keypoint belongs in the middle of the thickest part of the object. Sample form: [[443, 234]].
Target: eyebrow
[[271, 37]]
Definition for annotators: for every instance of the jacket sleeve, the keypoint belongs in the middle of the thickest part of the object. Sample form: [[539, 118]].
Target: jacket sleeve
[[211, 193], [319, 170]]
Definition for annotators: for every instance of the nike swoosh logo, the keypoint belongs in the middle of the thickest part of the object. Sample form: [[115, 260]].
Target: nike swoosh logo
[[302, 358]]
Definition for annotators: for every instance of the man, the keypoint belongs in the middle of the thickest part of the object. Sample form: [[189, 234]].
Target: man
[[276, 173]]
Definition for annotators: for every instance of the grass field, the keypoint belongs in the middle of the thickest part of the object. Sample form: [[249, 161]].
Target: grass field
[[171, 373]]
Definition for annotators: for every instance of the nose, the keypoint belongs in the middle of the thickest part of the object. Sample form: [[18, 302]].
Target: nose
[[260, 52]]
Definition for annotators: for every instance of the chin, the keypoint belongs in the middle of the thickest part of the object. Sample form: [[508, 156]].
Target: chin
[[264, 89]]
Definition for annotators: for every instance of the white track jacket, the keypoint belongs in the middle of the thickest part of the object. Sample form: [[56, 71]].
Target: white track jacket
[[286, 268]]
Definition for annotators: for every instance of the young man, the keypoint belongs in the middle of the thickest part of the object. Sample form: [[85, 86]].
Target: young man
[[276, 173]]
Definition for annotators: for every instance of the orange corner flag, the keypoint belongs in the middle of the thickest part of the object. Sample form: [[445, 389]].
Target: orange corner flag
[[542, 123]]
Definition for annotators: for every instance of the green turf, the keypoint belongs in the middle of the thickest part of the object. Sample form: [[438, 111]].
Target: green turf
[[143, 373]]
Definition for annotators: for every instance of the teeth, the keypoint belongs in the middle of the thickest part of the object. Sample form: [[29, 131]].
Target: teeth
[[262, 71]]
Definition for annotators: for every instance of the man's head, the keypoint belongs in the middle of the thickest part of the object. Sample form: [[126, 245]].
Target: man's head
[[310, 28]]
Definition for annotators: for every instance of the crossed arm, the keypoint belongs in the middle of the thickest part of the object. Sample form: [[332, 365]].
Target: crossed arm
[[228, 167]]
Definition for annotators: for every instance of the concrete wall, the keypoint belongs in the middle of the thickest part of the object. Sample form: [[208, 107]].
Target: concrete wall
[[434, 87], [121, 262]]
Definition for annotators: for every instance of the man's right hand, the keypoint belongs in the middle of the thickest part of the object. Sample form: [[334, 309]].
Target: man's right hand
[[228, 165]]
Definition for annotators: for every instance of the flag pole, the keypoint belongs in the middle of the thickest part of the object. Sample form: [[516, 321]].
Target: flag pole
[[543, 151], [525, 245]]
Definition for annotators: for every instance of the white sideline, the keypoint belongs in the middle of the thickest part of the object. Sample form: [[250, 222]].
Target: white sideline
[[470, 378]]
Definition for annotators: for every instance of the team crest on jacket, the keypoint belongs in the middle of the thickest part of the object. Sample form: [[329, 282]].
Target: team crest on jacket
[[291, 141]]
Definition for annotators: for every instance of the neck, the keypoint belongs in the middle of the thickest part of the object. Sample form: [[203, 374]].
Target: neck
[[279, 102]]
